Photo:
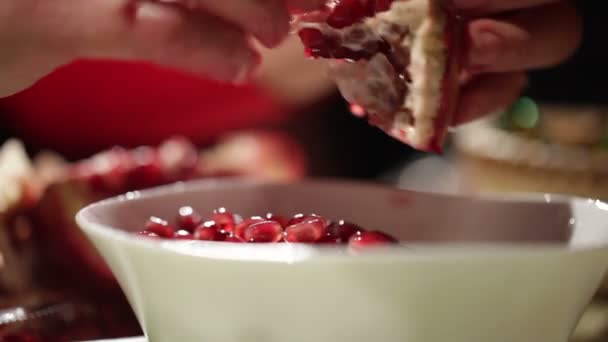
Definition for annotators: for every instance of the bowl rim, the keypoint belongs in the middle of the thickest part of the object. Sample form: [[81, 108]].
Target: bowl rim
[[292, 253]]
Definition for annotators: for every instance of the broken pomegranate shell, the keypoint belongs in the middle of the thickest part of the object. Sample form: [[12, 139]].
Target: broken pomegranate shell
[[396, 61]]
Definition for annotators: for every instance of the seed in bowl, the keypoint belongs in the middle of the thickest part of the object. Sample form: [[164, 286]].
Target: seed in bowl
[[225, 226]]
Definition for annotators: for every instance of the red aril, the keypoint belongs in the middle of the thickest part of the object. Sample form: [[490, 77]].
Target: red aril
[[160, 227], [348, 12], [183, 235], [277, 218], [264, 231], [239, 229], [310, 229], [148, 234], [233, 239], [188, 219], [342, 230], [205, 234], [372, 238], [224, 219]]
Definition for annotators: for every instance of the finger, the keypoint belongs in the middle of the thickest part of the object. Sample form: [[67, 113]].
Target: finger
[[198, 43], [159, 33], [484, 7], [487, 93], [539, 37], [267, 20]]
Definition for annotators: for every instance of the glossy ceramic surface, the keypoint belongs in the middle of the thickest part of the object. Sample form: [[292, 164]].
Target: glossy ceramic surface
[[472, 270]]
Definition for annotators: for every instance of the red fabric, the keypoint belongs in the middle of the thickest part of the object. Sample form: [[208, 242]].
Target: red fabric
[[91, 105]]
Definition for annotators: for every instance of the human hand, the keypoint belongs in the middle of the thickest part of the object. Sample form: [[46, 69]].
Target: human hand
[[506, 38], [207, 37]]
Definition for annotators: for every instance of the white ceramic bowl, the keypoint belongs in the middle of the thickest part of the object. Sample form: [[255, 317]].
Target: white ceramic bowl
[[473, 271]]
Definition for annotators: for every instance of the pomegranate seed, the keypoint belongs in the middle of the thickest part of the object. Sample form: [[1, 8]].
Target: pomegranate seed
[[188, 219], [276, 218], [329, 240], [348, 12], [372, 238], [224, 219], [240, 228], [233, 239], [208, 231], [183, 235], [160, 227], [264, 231], [318, 44], [148, 234], [342, 230], [297, 218], [310, 229]]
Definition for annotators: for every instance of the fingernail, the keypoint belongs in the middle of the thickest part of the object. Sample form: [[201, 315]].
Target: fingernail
[[484, 49]]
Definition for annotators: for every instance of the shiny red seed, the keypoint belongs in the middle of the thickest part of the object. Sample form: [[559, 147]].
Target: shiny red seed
[[188, 219], [205, 234], [297, 218], [148, 234], [183, 235], [343, 230], [239, 229], [277, 218], [264, 231], [233, 239], [318, 44], [160, 227], [224, 219], [329, 240], [348, 12], [372, 238], [310, 229], [208, 231]]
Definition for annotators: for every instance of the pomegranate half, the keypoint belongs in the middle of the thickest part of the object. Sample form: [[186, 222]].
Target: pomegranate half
[[395, 61]]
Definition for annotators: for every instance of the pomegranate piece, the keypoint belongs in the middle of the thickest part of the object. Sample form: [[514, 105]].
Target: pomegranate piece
[[277, 218], [188, 219], [342, 231], [159, 227], [309, 230], [372, 238], [264, 231], [397, 60], [224, 219]]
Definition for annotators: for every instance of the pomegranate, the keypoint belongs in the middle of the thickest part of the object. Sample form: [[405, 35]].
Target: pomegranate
[[395, 61]]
